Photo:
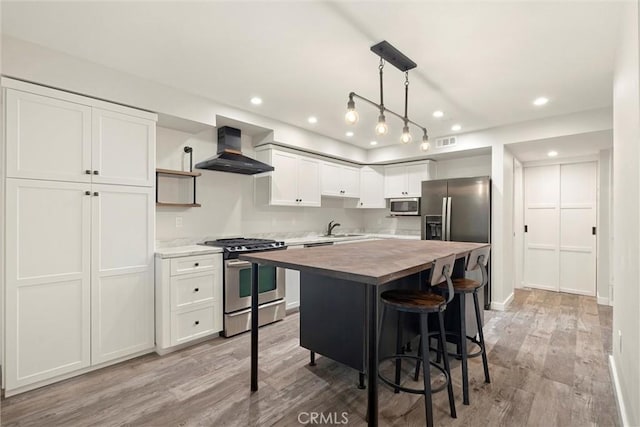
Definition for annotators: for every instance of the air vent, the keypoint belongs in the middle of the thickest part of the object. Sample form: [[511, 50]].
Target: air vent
[[445, 142]]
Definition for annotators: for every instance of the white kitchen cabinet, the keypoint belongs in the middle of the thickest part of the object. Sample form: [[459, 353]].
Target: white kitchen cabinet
[[122, 272], [48, 240], [79, 276], [188, 299], [339, 180], [78, 255], [371, 188], [62, 140], [295, 180], [405, 180]]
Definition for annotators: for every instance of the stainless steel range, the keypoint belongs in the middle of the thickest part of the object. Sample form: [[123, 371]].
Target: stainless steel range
[[237, 284]]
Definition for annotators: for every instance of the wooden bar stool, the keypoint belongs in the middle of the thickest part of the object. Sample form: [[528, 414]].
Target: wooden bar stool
[[423, 303], [477, 260]]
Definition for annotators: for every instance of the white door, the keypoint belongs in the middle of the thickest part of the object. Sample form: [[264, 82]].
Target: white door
[[284, 179], [395, 181], [47, 280], [123, 149], [577, 219], [122, 278], [47, 138], [542, 236], [560, 213], [308, 182]]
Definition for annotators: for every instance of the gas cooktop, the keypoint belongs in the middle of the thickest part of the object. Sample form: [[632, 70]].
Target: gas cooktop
[[238, 245]]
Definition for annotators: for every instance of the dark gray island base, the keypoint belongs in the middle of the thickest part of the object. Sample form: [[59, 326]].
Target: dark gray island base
[[340, 290]]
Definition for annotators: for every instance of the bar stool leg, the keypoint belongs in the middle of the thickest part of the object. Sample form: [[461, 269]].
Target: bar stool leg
[[463, 350], [399, 349], [445, 357], [416, 375], [426, 374], [485, 364], [312, 358], [361, 378]]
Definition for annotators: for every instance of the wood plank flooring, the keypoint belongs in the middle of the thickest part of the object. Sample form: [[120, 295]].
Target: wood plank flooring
[[547, 357]]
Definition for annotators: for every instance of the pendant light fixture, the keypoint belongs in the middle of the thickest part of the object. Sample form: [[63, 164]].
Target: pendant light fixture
[[390, 54]]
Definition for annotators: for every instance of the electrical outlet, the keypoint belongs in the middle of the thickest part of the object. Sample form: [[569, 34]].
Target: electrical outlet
[[620, 341], [178, 221]]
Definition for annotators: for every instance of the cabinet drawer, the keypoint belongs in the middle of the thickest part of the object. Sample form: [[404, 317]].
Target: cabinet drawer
[[188, 289], [192, 324], [194, 264]]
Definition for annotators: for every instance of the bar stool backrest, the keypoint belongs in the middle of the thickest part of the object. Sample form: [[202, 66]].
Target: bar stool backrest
[[441, 272], [478, 258]]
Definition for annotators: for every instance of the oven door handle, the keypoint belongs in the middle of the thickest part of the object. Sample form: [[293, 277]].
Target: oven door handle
[[238, 264]]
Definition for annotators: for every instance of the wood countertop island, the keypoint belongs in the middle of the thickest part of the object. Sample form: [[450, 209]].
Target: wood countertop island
[[340, 287]]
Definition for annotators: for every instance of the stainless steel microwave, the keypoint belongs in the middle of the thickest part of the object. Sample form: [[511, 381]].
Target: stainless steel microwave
[[406, 206]]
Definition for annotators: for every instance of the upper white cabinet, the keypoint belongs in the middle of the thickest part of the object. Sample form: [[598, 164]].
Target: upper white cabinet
[[406, 180], [371, 188], [339, 180], [295, 180], [123, 149], [62, 140]]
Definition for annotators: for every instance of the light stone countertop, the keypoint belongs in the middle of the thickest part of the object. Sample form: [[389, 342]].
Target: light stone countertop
[[188, 250], [180, 251]]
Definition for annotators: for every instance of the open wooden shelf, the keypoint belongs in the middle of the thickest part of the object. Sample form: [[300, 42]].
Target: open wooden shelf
[[179, 205], [177, 173]]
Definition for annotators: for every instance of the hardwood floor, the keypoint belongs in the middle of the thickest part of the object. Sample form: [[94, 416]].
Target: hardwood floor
[[547, 358]]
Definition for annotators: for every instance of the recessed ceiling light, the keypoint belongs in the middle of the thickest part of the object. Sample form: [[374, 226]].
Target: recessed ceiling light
[[349, 134], [312, 119], [374, 143], [540, 101], [256, 100], [438, 114], [552, 153], [456, 128]]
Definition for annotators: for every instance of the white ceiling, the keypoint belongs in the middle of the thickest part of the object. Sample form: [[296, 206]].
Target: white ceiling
[[567, 147], [480, 62]]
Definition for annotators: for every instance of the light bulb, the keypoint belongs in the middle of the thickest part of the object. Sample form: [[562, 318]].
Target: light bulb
[[406, 136], [424, 146], [381, 127], [351, 117]]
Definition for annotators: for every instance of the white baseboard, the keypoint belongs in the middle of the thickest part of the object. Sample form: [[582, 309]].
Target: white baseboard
[[622, 410], [603, 300], [502, 306]]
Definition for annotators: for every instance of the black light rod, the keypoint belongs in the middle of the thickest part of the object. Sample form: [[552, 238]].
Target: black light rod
[[362, 98]]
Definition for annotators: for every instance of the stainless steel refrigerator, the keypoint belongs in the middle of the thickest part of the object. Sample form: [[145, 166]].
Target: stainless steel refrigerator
[[458, 210]]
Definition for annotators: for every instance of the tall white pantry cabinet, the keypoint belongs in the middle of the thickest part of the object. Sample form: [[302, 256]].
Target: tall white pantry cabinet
[[78, 234]]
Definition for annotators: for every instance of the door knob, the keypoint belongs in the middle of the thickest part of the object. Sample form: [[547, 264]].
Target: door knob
[[196, 289], [96, 173], [197, 322], [95, 193], [87, 193], [87, 172]]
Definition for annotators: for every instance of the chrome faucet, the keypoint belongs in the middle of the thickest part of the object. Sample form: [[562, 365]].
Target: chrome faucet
[[331, 226]]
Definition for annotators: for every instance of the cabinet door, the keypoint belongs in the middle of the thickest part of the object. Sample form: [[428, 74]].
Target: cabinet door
[[371, 189], [395, 181], [308, 182], [121, 270], [415, 175], [47, 280], [331, 179], [47, 138], [350, 178], [292, 284], [123, 149], [284, 179]]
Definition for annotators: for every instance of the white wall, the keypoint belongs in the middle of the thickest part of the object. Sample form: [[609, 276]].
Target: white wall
[[626, 214], [464, 167], [227, 199]]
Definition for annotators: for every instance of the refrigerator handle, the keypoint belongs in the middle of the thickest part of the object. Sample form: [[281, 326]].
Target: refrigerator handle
[[444, 219], [448, 218]]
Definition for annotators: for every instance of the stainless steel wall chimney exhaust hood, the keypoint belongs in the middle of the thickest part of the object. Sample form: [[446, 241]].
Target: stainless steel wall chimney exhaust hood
[[230, 158]]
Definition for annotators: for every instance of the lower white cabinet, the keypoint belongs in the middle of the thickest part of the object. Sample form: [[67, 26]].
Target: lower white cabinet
[[188, 299], [78, 280], [292, 284]]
